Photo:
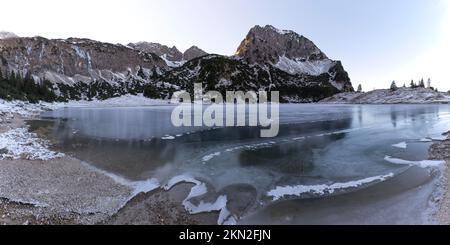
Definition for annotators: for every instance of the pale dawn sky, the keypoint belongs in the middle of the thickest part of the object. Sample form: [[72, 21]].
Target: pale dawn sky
[[377, 40]]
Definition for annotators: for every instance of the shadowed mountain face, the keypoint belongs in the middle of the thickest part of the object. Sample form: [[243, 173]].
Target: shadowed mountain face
[[193, 52], [172, 56], [268, 59]]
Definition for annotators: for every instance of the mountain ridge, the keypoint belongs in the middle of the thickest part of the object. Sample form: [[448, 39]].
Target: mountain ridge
[[172, 56], [83, 69]]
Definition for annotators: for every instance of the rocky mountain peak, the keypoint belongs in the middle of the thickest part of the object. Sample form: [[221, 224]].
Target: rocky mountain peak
[[193, 52], [291, 53], [268, 44], [170, 54]]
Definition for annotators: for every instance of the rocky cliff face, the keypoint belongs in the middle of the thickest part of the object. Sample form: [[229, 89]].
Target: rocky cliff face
[[78, 63], [268, 44], [73, 59], [290, 52]]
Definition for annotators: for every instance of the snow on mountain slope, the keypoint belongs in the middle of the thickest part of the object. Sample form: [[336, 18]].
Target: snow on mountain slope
[[172, 64], [315, 67], [5, 35]]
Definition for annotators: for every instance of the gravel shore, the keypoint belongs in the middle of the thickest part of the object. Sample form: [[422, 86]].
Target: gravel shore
[[441, 151]]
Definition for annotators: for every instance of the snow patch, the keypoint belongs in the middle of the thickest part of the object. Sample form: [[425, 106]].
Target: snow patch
[[167, 137], [210, 156], [386, 96], [172, 64], [225, 217], [422, 164], [20, 144], [401, 145], [5, 35], [315, 67], [23, 108], [279, 31], [144, 186], [425, 140], [298, 190], [251, 146], [123, 101]]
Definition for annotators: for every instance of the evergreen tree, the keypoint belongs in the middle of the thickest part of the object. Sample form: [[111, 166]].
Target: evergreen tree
[[421, 83], [141, 73], [15, 87], [413, 84], [360, 88], [393, 86]]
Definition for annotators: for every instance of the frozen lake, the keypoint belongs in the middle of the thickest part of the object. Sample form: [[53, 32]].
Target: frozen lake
[[328, 161]]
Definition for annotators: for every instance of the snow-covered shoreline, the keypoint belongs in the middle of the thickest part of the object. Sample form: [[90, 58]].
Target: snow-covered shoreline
[[386, 96], [401, 96], [17, 143], [29, 109]]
